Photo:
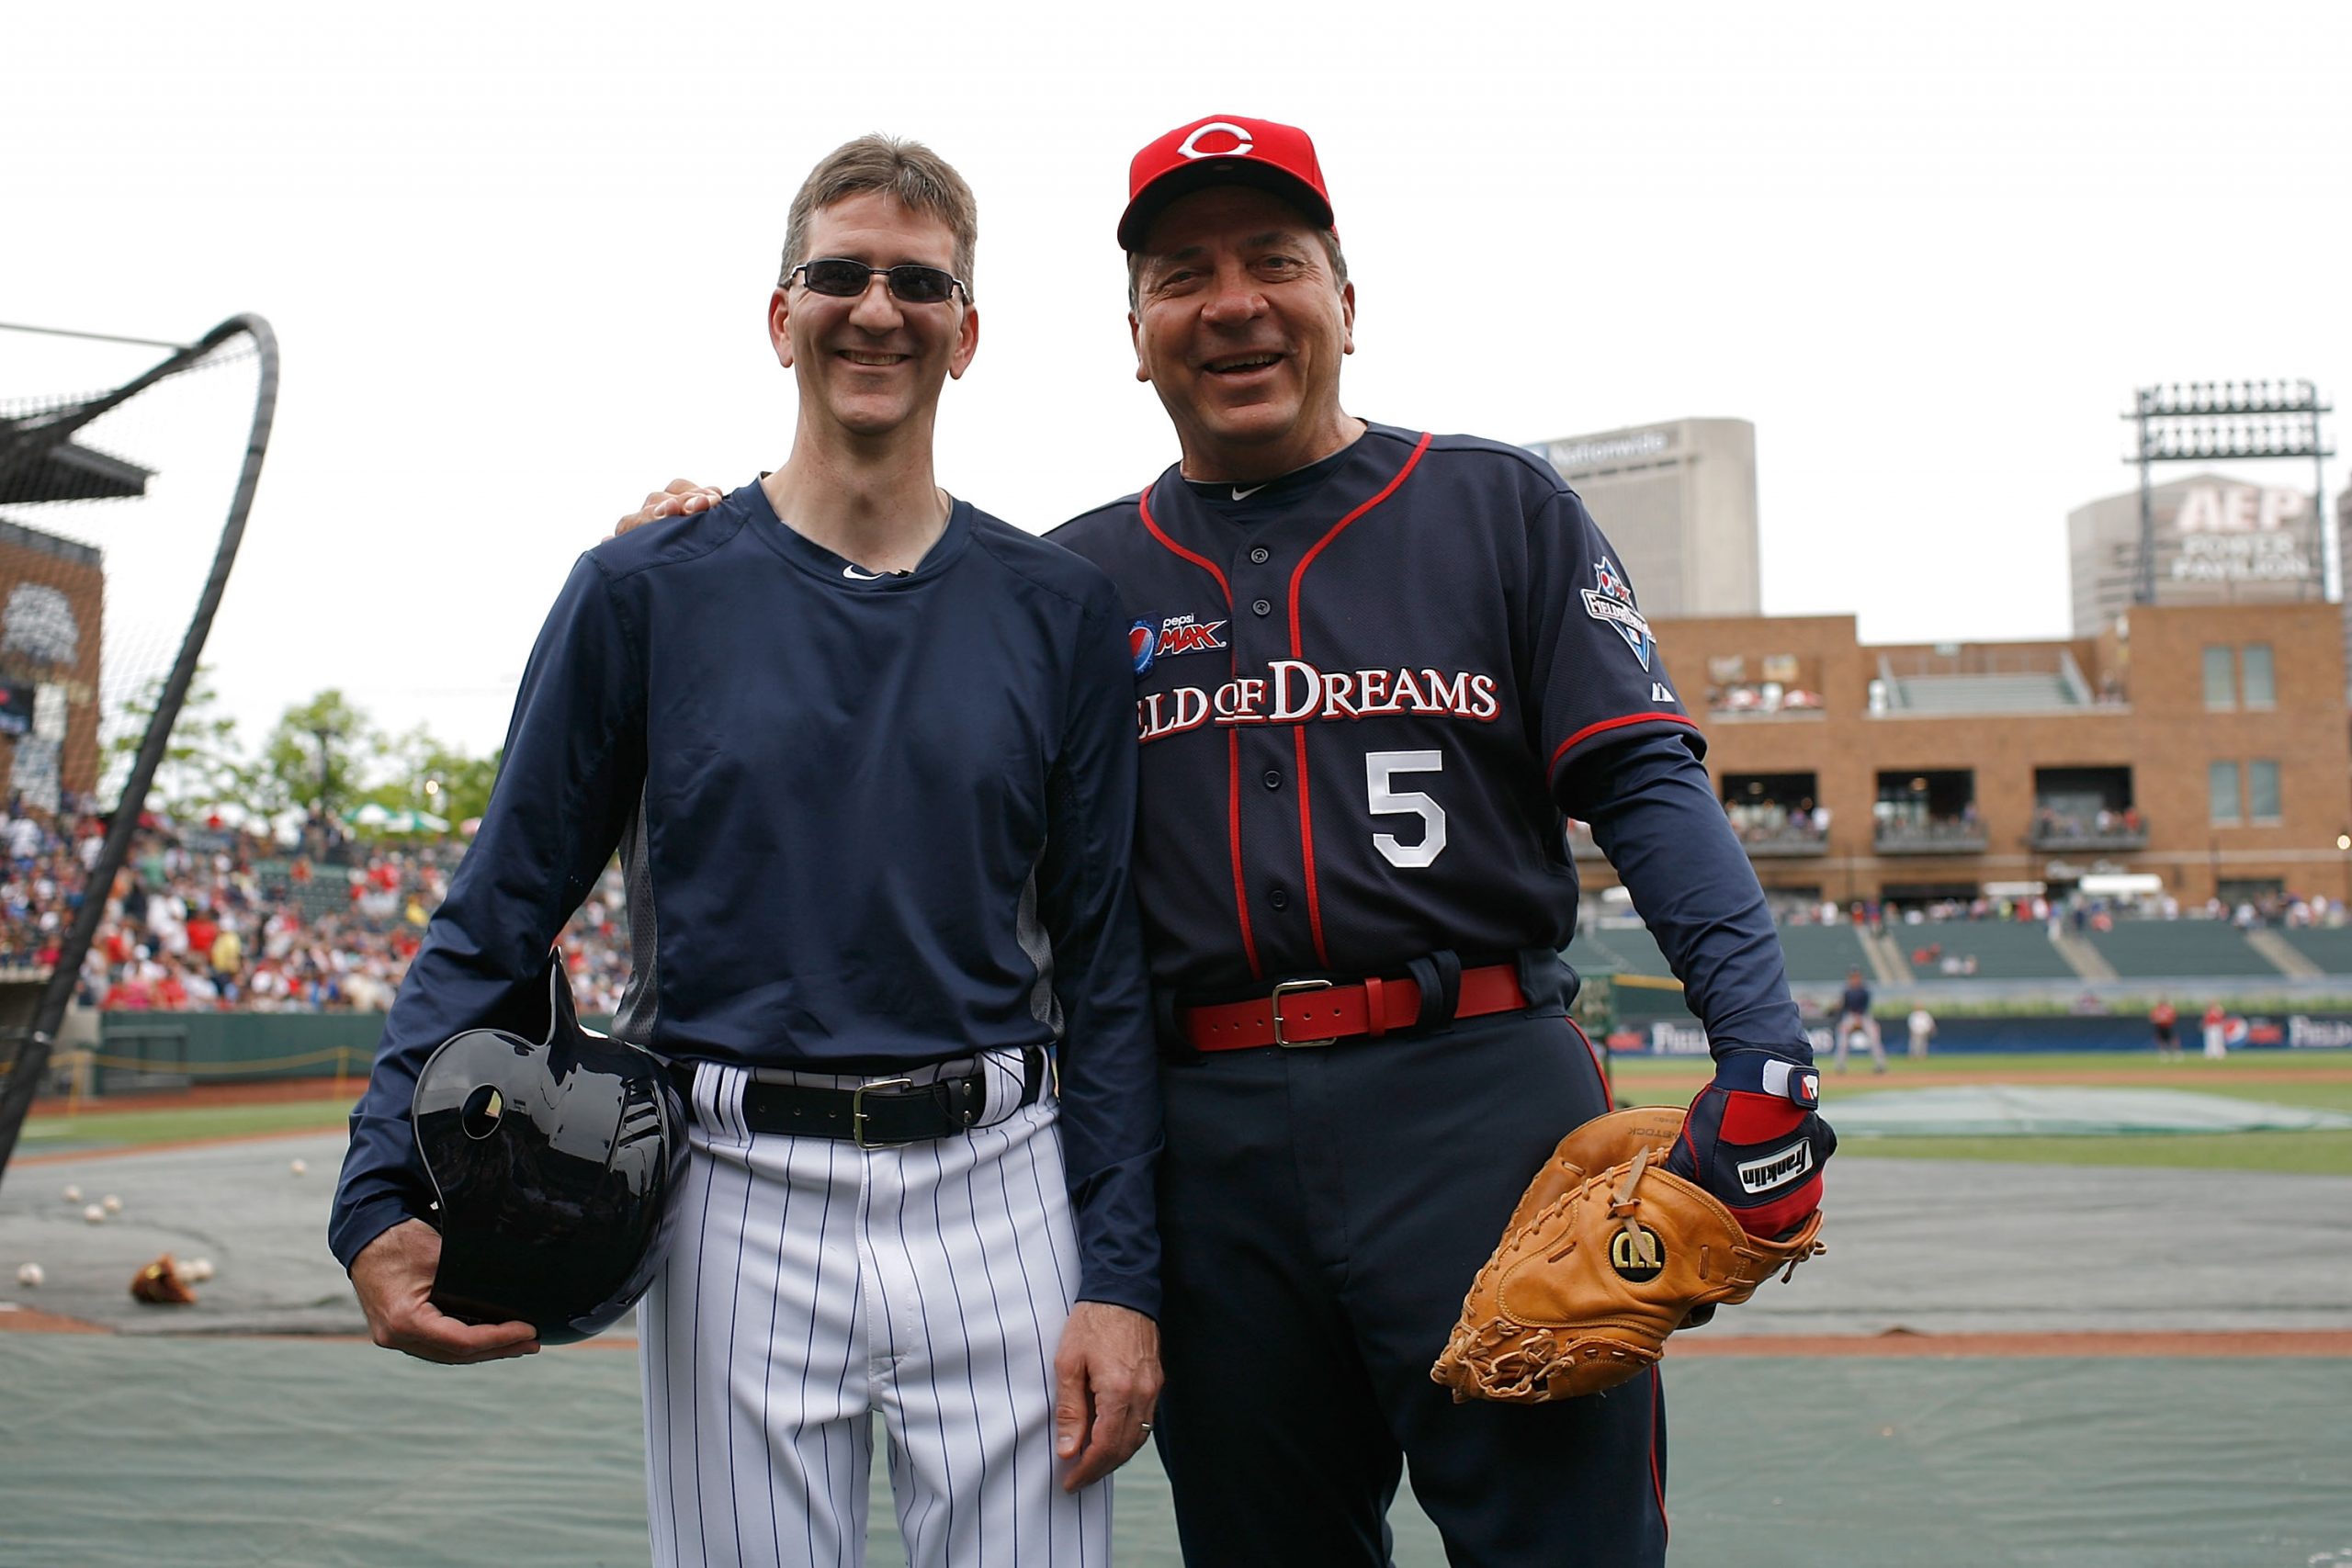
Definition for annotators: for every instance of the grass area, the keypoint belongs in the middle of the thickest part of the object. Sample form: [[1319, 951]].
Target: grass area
[[2299, 1154], [128, 1129], [2052, 1066], [1651, 1081]]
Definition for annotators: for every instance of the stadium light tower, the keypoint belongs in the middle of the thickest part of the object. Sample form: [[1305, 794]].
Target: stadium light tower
[[2198, 422]]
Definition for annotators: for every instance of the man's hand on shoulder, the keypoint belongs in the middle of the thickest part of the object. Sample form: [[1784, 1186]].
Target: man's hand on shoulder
[[677, 498], [1755, 1139], [393, 1275], [1106, 1381]]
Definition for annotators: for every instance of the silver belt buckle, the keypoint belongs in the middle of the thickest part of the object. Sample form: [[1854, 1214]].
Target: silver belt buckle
[[1283, 989], [857, 1110]]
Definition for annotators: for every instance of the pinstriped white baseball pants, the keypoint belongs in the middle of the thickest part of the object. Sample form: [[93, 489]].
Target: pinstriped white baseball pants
[[812, 1282]]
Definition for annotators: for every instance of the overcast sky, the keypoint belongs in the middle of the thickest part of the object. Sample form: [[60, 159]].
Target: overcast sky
[[518, 257]]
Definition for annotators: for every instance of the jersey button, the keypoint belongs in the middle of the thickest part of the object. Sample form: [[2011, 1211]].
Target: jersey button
[[1262, 607], [1273, 779], [1278, 896], [1259, 554]]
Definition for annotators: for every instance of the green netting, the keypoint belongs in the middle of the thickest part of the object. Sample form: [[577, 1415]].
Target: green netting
[[1978, 1110]]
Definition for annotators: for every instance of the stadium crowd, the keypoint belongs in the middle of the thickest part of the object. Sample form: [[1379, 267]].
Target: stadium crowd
[[208, 916]]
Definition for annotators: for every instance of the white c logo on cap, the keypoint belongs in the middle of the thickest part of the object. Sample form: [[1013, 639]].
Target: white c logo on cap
[[1190, 147]]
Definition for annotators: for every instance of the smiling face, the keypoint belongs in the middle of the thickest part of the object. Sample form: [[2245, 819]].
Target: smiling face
[[1240, 325], [872, 366]]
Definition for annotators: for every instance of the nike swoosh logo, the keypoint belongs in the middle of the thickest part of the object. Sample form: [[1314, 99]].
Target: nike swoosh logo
[[1241, 494], [852, 571]]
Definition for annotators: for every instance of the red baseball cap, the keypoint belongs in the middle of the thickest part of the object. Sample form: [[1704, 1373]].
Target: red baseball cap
[[1222, 148]]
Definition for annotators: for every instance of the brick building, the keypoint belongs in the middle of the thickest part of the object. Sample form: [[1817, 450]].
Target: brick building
[[2206, 746], [52, 602]]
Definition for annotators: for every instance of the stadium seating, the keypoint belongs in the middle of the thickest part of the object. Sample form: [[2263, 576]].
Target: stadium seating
[[2330, 947], [2158, 950], [1816, 954], [1628, 950], [2004, 950], [1984, 693], [1822, 955]]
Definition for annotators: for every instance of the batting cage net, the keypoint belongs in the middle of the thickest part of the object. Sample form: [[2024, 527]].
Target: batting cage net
[[121, 510]]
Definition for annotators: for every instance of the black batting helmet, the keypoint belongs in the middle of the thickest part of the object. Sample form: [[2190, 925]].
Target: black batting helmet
[[554, 1163]]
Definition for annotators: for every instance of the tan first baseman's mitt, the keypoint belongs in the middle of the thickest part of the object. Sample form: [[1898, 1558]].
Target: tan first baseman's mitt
[[1599, 1265]]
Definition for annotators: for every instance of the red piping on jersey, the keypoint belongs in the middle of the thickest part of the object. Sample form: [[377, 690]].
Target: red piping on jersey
[[1232, 747], [1143, 504], [1620, 722], [1305, 818], [1658, 1482]]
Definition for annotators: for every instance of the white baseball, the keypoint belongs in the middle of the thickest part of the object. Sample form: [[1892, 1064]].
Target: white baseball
[[195, 1270], [112, 1204], [30, 1275], [72, 1194], [297, 1166], [94, 1214]]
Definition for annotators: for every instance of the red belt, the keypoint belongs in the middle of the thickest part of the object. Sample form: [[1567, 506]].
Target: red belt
[[1317, 1013]]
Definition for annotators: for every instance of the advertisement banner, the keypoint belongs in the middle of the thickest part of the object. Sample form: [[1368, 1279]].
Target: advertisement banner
[[2110, 1032]]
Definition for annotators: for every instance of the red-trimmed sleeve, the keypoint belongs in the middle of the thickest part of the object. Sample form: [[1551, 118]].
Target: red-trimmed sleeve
[[1596, 667]]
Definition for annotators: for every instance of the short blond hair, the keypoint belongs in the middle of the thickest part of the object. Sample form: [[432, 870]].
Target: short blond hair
[[917, 178]]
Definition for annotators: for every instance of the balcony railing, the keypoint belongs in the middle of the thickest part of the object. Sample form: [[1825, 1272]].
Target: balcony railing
[[2108, 832], [1783, 842], [1930, 839]]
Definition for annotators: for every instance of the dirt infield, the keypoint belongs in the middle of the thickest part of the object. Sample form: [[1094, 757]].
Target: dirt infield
[[2320, 1344], [25, 1320], [2333, 1343], [263, 1091]]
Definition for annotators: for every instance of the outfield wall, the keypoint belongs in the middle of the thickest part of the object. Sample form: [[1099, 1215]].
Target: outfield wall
[[160, 1050], [2277, 1031], [152, 1050]]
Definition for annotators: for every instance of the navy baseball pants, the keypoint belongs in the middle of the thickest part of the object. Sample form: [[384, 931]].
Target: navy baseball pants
[[1323, 1211]]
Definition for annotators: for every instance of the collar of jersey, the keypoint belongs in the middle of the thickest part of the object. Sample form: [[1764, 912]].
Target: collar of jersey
[[826, 566], [1275, 494]]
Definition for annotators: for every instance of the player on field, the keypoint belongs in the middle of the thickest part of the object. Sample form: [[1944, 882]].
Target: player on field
[[869, 884], [1374, 671]]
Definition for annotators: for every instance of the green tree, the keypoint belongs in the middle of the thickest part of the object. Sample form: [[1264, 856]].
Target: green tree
[[204, 766], [423, 773], [320, 751]]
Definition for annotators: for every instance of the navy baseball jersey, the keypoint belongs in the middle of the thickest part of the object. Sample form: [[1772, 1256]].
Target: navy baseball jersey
[[875, 823], [1368, 693]]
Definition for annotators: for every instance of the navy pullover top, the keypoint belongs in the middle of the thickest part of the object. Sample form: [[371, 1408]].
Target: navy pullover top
[[869, 823]]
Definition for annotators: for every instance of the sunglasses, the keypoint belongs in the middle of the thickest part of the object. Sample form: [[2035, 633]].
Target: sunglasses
[[910, 285]]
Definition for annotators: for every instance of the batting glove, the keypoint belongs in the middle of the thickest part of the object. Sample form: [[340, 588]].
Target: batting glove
[[1756, 1140]]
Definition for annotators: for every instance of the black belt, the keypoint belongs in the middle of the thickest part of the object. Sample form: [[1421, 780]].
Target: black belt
[[877, 1115]]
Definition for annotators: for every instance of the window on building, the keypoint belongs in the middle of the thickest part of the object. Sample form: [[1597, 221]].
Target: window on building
[[2220, 681], [2261, 686], [2222, 781], [2262, 791]]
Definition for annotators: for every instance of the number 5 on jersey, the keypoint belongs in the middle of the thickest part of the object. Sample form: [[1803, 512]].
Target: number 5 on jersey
[[1380, 770]]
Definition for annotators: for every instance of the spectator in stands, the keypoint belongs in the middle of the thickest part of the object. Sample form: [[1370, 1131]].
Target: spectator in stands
[[1923, 1029], [214, 920], [2165, 1018], [1856, 1025]]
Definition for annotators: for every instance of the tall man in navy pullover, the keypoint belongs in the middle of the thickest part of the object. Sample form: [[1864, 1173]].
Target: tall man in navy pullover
[[851, 857]]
